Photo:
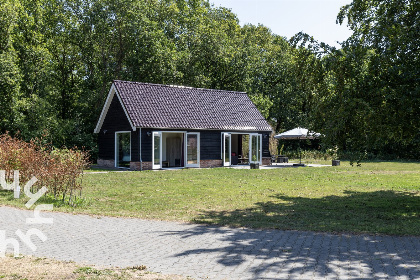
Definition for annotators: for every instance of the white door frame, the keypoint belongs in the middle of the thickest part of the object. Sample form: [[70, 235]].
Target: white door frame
[[259, 159], [249, 148], [225, 136], [160, 134]]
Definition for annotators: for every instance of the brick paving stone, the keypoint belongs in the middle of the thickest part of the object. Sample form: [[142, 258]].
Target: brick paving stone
[[215, 252]]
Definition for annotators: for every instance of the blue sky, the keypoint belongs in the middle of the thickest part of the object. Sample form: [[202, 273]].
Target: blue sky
[[288, 17]]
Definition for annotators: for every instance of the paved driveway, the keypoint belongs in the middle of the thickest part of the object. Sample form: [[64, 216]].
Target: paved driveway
[[217, 252]]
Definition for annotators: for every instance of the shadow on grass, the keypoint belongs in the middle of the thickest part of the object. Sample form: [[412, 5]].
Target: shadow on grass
[[384, 212], [276, 254]]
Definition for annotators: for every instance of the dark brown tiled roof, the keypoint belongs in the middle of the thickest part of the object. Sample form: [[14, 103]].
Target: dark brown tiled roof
[[164, 106]]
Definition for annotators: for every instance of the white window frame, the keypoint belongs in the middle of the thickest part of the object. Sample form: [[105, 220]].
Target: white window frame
[[186, 151], [222, 156], [116, 146]]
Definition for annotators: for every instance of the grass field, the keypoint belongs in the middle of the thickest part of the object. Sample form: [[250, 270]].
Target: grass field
[[377, 198]]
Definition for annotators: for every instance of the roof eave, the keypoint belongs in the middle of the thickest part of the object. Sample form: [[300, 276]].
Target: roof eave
[[212, 129]]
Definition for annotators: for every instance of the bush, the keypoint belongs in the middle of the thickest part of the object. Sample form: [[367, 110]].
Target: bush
[[60, 170], [310, 154]]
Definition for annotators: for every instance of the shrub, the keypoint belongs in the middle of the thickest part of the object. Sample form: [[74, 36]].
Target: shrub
[[60, 170], [309, 154]]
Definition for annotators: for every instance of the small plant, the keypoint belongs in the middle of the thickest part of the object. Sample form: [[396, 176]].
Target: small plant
[[358, 157], [88, 270], [333, 152], [139, 267], [281, 149]]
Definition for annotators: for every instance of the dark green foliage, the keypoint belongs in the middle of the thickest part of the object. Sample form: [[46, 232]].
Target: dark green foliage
[[366, 96], [379, 70], [58, 59], [10, 77]]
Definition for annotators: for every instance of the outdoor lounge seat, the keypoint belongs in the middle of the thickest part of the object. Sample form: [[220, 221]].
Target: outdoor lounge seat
[[282, 159]]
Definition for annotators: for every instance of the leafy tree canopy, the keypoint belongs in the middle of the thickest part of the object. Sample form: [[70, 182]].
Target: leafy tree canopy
[[58, 59]]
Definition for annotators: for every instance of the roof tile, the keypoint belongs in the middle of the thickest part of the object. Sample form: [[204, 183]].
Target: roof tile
[[166, 106]]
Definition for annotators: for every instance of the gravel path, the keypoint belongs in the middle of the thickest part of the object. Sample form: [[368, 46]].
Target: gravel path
[[215, 252]]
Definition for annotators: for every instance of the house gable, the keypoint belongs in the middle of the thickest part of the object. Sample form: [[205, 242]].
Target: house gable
[[114, 121], [111, 98]]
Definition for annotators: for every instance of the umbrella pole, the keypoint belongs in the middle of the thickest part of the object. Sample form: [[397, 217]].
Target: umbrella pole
[[300, 154]]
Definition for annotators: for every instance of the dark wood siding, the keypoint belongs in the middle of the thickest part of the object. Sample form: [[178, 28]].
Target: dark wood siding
[[210, 144], [115, 120], [146, 144], [265, 144], [135, 145]]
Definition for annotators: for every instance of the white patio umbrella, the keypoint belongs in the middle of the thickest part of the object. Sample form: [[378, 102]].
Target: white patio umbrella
[[298, 133]]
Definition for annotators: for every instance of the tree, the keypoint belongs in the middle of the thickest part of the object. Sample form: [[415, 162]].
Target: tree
[[10, 76], [367, 97], [58, 59], [386, 44]]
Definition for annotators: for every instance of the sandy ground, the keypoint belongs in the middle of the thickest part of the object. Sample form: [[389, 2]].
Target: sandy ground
[[28, 268]]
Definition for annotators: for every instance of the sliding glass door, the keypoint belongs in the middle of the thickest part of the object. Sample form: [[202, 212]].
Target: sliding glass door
[[226, 149], [255, 148], [167, 153]]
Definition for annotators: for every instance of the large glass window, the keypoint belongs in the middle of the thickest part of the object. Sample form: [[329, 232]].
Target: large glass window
[[123, 149], [192, 149]]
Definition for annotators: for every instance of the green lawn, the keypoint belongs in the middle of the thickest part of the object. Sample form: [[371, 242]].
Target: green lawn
[[378, 197]]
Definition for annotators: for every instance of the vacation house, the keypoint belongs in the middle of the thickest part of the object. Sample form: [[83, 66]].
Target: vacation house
[[149, 126]]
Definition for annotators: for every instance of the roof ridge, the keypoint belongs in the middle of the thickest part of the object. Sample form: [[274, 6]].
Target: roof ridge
[[180, 86]]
